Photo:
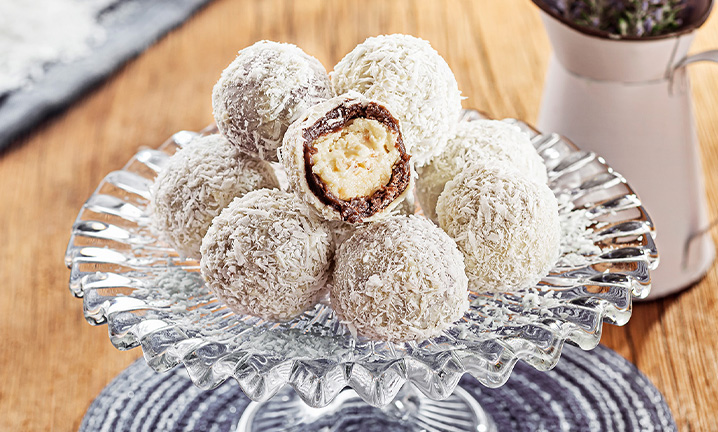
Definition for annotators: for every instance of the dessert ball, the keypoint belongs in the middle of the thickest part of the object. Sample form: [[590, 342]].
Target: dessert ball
[[346, 157], [482, 140], [199, 181], [506, 225], [408, 76], [268, 255], [399, 279], [266, 88]]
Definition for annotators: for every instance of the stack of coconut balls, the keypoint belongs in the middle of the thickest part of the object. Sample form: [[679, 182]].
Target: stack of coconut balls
[[355, 144]]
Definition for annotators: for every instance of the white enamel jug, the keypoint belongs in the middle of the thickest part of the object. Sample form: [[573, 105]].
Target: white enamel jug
[[630, 102]]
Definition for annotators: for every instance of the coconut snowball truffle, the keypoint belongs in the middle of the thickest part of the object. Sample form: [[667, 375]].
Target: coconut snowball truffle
[[407, 75], [399, 279], [485, 141], [199, 181], [267, 255], [266, 88], [506, 225], [346, 158]]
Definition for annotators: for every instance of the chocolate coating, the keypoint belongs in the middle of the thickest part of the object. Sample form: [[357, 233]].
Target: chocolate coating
[[361, 207], [331, 117]]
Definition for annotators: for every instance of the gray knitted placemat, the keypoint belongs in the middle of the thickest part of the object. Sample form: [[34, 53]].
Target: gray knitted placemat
[[587, 391], [130, 25]]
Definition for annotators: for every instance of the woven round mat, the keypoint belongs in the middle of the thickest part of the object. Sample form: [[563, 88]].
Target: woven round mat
[[587, 391]]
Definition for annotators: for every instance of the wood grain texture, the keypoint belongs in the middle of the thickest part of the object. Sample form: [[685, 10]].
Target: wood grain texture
[[52, 363]]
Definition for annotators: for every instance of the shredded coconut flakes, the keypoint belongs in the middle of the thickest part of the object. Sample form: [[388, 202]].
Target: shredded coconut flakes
[[266, 88], [198, 182], [487, 141], [268, 255], [399, 279], [415, 83], [506, 225]]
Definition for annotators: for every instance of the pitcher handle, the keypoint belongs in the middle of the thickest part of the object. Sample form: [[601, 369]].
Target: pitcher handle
[[711, 55], [677, 74], [679, 70]]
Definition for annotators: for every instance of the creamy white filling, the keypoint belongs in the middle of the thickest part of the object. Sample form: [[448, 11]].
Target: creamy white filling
[[357, 160]]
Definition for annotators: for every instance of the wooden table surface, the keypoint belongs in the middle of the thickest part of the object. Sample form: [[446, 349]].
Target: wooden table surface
[[52, 363]]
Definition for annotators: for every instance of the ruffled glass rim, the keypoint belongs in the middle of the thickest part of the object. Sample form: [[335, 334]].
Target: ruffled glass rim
[[150, 297]]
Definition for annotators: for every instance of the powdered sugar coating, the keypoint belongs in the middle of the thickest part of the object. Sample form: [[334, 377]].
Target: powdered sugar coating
[[266, 88], [291, 155], [506, 225], [399, 279], [267, 255], [199, 181], [407, 75], [486, 141]]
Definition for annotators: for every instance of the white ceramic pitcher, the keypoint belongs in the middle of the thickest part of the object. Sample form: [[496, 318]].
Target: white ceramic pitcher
[[629, 101]]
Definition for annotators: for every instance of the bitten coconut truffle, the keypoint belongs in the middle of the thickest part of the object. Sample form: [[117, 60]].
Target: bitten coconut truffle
[[266, 88], [268, 255], [485, 141], [506, 225], [408, 76], [346, 157], [399, 279], [199, 181]]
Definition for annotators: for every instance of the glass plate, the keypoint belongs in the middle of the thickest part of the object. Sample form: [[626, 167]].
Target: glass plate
[[149, 297]]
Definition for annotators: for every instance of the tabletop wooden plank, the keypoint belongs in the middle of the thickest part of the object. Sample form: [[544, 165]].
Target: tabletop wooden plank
[[52, 363]]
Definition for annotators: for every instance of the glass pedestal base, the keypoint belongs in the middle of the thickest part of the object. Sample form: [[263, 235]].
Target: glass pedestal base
[[410, 411]]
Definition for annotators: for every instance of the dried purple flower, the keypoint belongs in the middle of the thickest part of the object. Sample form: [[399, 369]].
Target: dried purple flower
[[623, 17], [648, 24]]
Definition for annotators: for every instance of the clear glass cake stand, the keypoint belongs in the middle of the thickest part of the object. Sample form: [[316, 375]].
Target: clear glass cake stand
[[151, 298]]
